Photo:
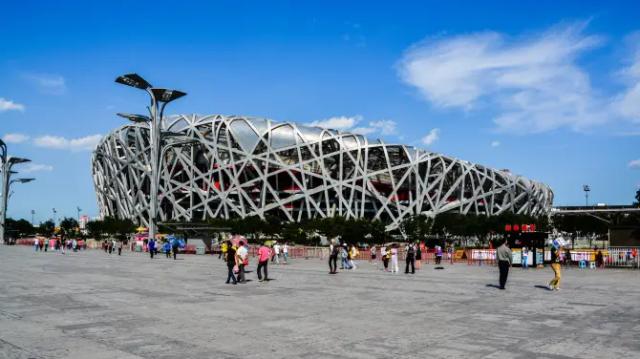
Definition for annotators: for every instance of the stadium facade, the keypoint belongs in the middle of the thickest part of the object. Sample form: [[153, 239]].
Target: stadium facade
[[243, 166]]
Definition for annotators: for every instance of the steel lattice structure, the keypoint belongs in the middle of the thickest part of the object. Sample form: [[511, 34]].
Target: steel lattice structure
[[250, 166]]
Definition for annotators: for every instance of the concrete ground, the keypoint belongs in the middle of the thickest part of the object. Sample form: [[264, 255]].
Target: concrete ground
[[92, 305]]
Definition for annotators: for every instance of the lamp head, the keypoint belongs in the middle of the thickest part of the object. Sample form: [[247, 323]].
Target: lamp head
[[16, 160], [134, 117], [133, 80], [165, 95], [23, 180]]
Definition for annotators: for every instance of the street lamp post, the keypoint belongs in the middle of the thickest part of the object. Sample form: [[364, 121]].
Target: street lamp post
[[6, 164], [586, 188], [159, 99], [33, 213], [54, 216]]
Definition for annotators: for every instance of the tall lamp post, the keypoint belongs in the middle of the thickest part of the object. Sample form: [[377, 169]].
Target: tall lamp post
[[586, 188], [6, 164], [159, 98]]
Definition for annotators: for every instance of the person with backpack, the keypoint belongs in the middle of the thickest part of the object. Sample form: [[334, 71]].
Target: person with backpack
[[556, 249], [231, 263], [166, 248], [411, 258]]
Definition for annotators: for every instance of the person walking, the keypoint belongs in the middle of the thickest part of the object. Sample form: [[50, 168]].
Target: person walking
[[223, 250], [285, 252], [152, 247], [418, 256], [175, 245], [120, 244], [241, 254], [410, 259], [334, 250], [438, 254], [556, 249], [353, 254], [372, 252], [276, 253], [231, 263], [46, 244], [503, 254], [525, 257], [36, 245], [384, 255], [394, 259], [166, 248], [264, 254]]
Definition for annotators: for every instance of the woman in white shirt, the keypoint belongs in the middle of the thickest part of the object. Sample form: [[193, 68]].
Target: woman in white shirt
[[394, 259]]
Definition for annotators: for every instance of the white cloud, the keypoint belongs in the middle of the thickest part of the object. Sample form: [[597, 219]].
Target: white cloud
[[35, 167], [337, 123], [431, 137], [533, 82], [8, 105], [495, 143], [634, 164], [51, 84], [86, 143], [15, 138], [348, 123], [627, 103], [382, 127]]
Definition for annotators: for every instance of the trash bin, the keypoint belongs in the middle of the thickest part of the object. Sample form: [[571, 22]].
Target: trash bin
[[199, 250]]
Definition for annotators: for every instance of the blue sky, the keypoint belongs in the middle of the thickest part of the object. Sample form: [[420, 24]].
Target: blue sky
[[548, 90]]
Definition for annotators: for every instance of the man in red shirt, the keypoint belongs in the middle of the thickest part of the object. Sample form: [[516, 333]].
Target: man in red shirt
[[264, 254]]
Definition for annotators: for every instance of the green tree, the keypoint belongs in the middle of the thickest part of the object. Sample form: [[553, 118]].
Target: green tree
[[416, 228], [47, 228], [69, 226], [22, 227], [294, 233]]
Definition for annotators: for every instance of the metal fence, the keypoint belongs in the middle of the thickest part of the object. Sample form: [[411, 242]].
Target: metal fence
[[623, 257]]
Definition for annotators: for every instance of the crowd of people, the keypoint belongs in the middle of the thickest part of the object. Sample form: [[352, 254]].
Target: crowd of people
[[236, 255], [42, 245]]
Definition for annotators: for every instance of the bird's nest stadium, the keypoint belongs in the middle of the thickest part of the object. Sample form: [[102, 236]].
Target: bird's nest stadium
[[241, 166]]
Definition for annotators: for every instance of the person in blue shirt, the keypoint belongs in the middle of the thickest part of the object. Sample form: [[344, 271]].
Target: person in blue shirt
[[166, 247], [152, 247]]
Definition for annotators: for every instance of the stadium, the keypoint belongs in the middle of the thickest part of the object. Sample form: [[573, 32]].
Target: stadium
[[240, 166]]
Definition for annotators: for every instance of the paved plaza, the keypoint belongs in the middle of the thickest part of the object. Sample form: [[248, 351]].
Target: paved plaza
[[94, 305]]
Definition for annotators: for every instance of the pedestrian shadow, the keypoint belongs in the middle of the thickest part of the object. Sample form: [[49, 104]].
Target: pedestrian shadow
[[542, 287], [493, 286]]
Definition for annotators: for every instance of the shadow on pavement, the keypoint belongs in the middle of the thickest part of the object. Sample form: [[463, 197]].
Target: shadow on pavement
[[542, 287]]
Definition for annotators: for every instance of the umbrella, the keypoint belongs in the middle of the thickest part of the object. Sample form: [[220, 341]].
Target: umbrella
[[235, 240]]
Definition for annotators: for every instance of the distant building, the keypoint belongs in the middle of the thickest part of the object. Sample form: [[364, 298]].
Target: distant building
[[251, 166]]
